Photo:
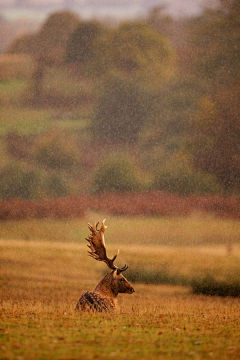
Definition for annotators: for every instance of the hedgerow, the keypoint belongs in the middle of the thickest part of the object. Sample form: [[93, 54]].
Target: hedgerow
[[128, 204]]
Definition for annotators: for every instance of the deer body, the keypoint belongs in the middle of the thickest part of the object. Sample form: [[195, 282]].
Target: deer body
[[90, 301], [103, 298]]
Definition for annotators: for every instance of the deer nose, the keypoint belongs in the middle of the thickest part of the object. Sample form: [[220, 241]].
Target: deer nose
[[133, 290]]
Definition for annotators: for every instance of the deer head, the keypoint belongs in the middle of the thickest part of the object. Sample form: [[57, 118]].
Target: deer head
[[120, 284]]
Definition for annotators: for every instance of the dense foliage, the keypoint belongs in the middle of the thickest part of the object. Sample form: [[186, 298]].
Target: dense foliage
[[116, 173], [162, 90], [121, 110]]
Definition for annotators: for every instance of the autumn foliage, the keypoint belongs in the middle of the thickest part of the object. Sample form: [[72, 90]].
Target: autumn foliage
[[128, 204]]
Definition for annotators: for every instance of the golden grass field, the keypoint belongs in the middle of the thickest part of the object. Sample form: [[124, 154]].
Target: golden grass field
[[44, 268]]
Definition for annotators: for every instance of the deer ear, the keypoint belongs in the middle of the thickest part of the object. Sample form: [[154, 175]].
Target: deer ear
[[118, 271]]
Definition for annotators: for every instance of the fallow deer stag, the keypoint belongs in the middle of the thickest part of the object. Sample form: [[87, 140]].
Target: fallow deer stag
[[103, 298]]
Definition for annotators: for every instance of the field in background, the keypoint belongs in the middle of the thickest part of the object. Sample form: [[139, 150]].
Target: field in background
[[45, 268], [181, 231], [34, 121]]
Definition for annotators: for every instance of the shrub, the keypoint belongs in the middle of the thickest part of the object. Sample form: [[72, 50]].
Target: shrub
[[178, 177], [56, 186], [210, 286], [116, 173], [183, 183], [19, 182], [57, 151]]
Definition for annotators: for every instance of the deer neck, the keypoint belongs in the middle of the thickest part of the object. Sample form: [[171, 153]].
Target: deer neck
[[104, 288]]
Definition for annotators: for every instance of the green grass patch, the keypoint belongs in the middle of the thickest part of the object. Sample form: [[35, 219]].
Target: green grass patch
[[14, 87], [12, 93], [24, 121], [29, 120]]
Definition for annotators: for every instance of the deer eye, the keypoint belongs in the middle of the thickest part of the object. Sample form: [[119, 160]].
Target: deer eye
[[122, 279]]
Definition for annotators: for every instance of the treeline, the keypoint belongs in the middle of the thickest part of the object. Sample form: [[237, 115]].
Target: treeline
[[162, 97], [128, 204]]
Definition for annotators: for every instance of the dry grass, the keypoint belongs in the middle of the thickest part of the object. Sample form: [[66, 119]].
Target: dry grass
[[189, 262], [42, 280]]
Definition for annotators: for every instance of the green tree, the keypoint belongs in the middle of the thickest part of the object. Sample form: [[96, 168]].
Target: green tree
[[82, 43], [116, 173], [54, 36], [48, 46], [121, 110], [167, 128], [175, 104], [216, 47], [216, 39], [216, 140], [51, 45], [135, 49]]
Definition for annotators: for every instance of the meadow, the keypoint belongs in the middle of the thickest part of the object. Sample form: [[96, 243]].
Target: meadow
[[45, 268], [31, 121]]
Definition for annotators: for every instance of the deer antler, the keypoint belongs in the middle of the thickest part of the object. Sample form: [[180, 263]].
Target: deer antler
[[98, 247]]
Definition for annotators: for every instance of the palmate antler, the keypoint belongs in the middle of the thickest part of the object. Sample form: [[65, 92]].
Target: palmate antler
[[98, 247]]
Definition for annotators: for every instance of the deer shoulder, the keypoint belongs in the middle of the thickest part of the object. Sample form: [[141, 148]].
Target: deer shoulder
[[103, 298]]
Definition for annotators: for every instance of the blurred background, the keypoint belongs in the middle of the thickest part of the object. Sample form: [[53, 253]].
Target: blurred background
[[120, 97]]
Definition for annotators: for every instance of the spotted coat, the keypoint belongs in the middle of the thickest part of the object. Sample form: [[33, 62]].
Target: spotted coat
[[95, 302]]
